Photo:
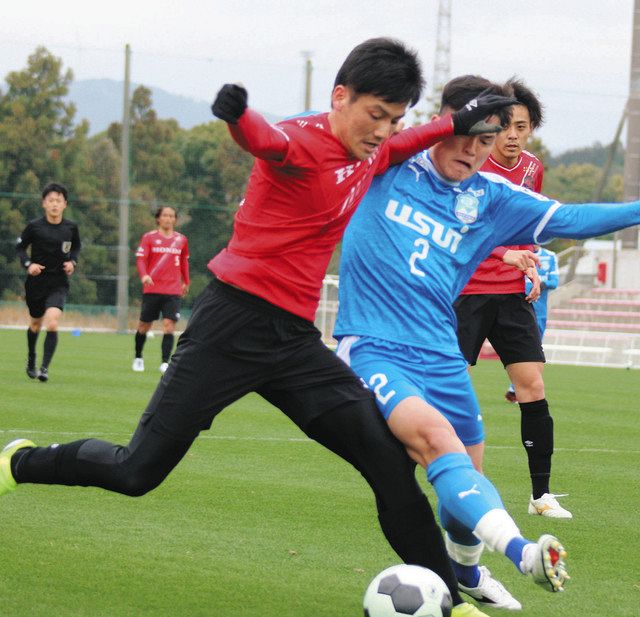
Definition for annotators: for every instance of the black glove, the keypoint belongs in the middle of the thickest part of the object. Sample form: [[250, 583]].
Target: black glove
[[230, 103], [470, 120]]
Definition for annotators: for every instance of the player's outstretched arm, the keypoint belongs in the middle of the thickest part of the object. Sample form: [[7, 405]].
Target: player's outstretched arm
[[247, 127], [589, 220], [230, 103]]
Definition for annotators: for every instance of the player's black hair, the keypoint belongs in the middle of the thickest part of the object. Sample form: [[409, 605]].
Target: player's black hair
[[55, 187], [460, 90], [161, 208], [383, 67], [528, 98]]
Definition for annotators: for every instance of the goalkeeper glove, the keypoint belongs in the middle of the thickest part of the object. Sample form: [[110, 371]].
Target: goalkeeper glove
[[471, 118], [230, 103]]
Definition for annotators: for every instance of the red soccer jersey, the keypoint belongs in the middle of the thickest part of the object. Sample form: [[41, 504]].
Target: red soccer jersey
[[165, 260], [493, 276], [295, 210]]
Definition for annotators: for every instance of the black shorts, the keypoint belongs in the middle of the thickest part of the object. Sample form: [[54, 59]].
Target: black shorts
[[154, 304], [507, 320], [42, 293], [236, 343]]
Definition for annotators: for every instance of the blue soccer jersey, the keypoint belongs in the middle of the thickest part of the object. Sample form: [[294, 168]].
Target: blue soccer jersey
[[416, 238]]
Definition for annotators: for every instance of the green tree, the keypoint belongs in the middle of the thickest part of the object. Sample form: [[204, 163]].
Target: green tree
[[38, 143], [214, 180], [577, 184], [35, 121]]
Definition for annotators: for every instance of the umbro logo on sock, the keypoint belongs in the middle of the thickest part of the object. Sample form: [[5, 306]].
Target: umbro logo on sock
[[472, 491]]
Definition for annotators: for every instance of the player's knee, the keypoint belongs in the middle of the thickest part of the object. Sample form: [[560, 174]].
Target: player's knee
[[532, 390], [438, 440], [137, 484]]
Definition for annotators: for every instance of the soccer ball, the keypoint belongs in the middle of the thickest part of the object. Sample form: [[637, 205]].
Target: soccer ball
[[407, 590]]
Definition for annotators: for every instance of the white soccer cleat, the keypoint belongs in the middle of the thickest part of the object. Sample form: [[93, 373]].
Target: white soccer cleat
[[138, 365], [163, 367], [545, 562], [548, 506], [491, 592]]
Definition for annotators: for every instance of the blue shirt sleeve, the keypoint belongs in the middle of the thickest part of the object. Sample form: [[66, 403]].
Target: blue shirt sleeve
[[588, 220], [524, 217], [551, 276]]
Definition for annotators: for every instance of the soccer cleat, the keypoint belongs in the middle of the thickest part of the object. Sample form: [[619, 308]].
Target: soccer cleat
[[163, 367], [7, 483], [491, 592], [510, 396], [138, 365], [548, 506], [43, 374], [32, 371], [467, 610], [545, 561]]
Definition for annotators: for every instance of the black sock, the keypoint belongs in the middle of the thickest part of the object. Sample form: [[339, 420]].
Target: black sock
[[50, 343], [32, 337], [55, 464], [140, 339], [536, 428], [414, 534], [167, 347]]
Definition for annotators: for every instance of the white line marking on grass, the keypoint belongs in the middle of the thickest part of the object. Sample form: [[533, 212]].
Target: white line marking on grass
[[28, 432]]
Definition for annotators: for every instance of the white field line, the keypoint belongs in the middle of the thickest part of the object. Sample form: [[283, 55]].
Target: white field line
[[29, 432]]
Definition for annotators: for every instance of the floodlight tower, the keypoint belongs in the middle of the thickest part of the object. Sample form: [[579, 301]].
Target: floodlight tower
[[308, 68], [632, 157], [442, 60]]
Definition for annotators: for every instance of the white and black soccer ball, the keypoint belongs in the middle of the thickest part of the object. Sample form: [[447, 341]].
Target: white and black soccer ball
[[404, 590]]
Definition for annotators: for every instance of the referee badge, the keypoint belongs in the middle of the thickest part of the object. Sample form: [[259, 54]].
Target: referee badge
[[466, 209], [66, 246]]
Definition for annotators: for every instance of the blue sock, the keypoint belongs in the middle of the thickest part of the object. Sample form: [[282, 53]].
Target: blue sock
[[465, 494], [469, 576], [514, 550]]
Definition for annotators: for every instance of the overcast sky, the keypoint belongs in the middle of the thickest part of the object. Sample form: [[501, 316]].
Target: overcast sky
[[574, 53]]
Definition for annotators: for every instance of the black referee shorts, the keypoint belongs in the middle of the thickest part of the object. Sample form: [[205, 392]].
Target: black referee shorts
[[42, 293], [236, 343], [507, 320]]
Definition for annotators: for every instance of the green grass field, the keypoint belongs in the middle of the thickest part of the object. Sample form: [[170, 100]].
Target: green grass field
[[259, 521]]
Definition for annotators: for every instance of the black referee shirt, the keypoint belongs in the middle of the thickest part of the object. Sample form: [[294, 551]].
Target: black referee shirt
[[51, 245]]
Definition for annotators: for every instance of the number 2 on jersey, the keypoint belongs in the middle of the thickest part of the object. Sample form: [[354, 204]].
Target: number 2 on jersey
[[421, 254], [377, 382]]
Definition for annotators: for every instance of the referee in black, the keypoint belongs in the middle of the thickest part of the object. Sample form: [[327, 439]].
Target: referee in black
[[55, 245]]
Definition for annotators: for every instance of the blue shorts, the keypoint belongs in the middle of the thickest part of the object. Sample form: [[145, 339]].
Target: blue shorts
[[395, 372]]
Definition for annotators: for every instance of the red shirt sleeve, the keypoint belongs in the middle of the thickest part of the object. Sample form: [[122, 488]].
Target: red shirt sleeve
[[142, 256], [406, 143], [184, 262], [255, 135]]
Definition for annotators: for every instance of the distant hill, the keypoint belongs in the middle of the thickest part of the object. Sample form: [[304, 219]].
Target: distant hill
[[597, 154], [100, 102]]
